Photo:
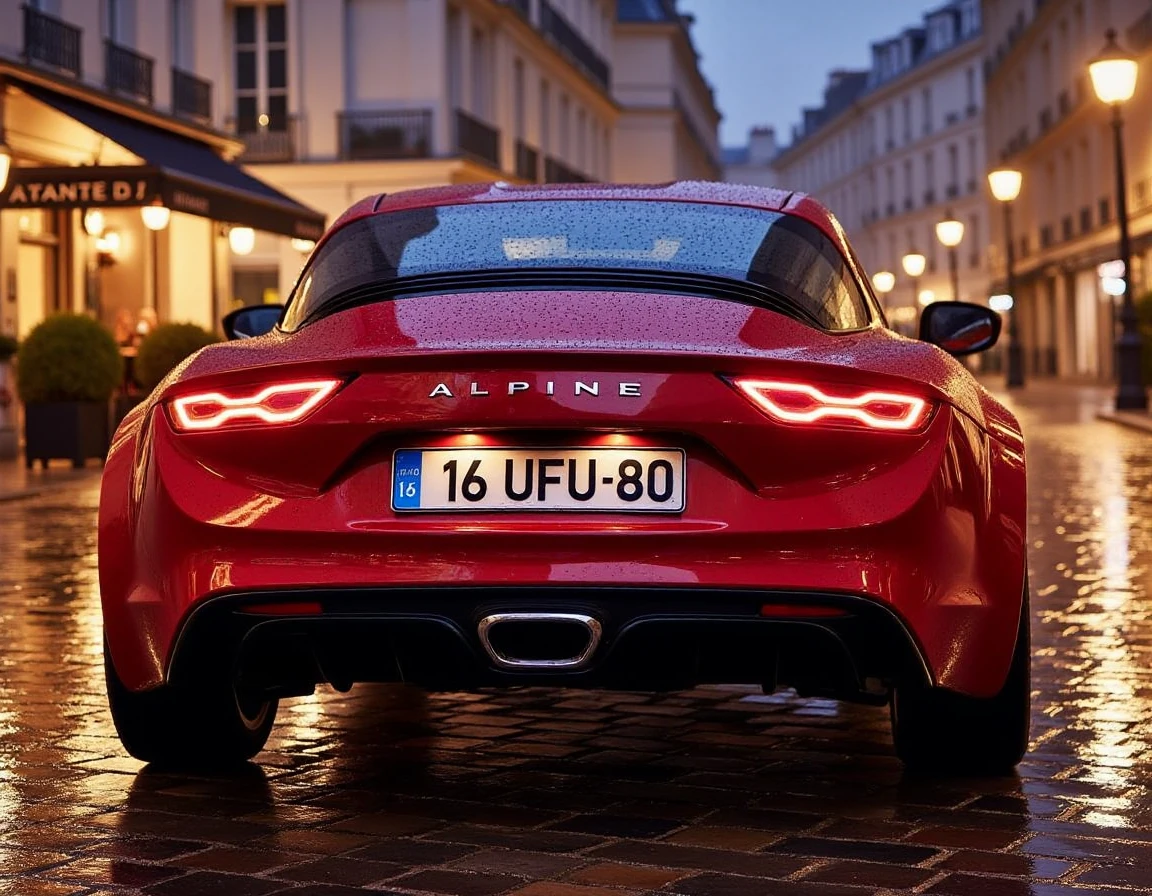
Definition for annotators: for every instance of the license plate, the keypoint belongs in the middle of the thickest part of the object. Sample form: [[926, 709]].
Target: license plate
[[576, 479]]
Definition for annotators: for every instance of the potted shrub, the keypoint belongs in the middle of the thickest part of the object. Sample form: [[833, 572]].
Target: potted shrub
[[66, 371], [8, 346], [165, 347]]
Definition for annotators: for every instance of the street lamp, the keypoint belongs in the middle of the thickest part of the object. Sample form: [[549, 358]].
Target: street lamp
[[950, 232], [1113, 75], [914, 264], [884, 281], [1005, 185]]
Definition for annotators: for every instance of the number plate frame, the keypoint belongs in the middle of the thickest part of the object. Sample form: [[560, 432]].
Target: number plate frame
[[620, 451]]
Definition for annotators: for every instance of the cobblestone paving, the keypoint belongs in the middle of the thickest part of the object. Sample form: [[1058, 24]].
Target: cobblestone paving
[[711, 792]]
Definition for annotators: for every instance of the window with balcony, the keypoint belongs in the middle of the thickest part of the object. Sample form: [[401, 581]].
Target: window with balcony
[[260, 76]]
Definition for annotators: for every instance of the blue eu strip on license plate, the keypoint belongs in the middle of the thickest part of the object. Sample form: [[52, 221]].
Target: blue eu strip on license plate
[[406, 480]]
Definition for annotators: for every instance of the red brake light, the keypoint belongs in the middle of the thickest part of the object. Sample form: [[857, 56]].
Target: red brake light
[[280, 403], [804, 403]]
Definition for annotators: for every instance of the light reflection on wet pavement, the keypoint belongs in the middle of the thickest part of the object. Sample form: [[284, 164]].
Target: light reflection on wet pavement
[[714, 791]]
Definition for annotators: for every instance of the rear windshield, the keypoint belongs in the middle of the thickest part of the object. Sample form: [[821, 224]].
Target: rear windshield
[[782, 252]]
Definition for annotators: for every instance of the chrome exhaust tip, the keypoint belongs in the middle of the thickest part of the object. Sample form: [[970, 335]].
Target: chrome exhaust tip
[[506, 639]]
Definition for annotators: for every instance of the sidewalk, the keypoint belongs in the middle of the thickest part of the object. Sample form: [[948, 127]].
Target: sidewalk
[[17, 482], [1134, 419]]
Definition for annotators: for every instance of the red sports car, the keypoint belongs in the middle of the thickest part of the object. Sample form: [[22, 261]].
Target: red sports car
[[586, 436]]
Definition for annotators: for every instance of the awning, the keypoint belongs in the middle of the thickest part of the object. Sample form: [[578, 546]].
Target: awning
[[187, 176]]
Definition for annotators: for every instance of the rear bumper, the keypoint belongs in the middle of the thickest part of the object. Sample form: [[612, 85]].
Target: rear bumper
[[652, 639]]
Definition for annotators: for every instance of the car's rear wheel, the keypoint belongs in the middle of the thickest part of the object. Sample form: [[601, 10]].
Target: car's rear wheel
[[210, 726], [943, 733]]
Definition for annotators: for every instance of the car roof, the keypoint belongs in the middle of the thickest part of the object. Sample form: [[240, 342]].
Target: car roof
[[704, 192]]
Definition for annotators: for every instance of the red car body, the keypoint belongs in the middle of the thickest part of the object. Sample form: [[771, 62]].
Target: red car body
[[898, 551]]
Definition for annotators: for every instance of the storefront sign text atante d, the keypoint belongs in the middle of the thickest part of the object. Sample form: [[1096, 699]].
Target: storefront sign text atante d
[[71, 187], [98, 192]]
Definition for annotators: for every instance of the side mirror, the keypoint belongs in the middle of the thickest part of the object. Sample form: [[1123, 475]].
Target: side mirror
[[960, 328], [252, 320]]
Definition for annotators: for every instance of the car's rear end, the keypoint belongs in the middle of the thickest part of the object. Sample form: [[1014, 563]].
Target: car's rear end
[[604, 461]]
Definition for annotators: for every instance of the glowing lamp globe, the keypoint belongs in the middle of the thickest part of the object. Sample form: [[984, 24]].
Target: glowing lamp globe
[[914, 264], [1113, 73], [1005, 183]]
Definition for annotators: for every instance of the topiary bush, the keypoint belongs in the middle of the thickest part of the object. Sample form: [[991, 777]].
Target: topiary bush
[[165, 347], [68, 357], [8, 347]]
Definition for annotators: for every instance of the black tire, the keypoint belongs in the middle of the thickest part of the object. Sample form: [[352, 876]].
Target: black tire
[[940, 732], [210, 727]]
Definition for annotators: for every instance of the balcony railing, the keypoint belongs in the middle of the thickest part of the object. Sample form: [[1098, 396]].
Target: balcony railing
[[477, 139], [127, 72], [51, 42], [556, 172], [191, 96], [569, 41], [388, 134], [272, 143], [527, 162]]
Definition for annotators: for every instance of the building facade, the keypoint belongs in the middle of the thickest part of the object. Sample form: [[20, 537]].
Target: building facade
[[104, 109], [753, 162], [668, 123], [336, 101], [897, 148], [1044, 120]]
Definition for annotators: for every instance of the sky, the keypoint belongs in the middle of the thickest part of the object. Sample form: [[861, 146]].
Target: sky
[[767, 59]]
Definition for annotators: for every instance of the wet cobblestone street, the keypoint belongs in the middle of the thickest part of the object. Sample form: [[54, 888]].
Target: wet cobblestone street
[[535, 792]]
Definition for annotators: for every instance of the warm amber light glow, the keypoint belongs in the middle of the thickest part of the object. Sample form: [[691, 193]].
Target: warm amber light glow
[[914, 264], [155, 216], [926, 297], [1005, 183], [5, 165], [242, 240], [1113, 73], [93, 222], [950, 232], [884, 281]]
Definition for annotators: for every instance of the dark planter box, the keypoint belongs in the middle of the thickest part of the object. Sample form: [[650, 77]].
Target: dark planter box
[[121, 405], [72, 430]]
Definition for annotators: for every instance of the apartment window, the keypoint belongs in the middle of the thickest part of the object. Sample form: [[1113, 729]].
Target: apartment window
[[565, 148], [973, 235], [594, 144], [112, 11], [518, 99], [545, 116], [970, 85], [953, 169], [929, 177], [891, 178], [581, 134], [926, 103], [889, 127], [455, 53], [906, 108], [181, 34], [261, 74], [907, 184], [481, 79]]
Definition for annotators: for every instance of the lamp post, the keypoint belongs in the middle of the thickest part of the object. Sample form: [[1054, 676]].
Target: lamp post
[[950, 232], [914, 264], [1005, 185], [883, 282], [1113, 75]]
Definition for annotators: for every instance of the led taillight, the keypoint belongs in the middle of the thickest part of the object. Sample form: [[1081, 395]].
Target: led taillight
[[272, 405], [804, 403]]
